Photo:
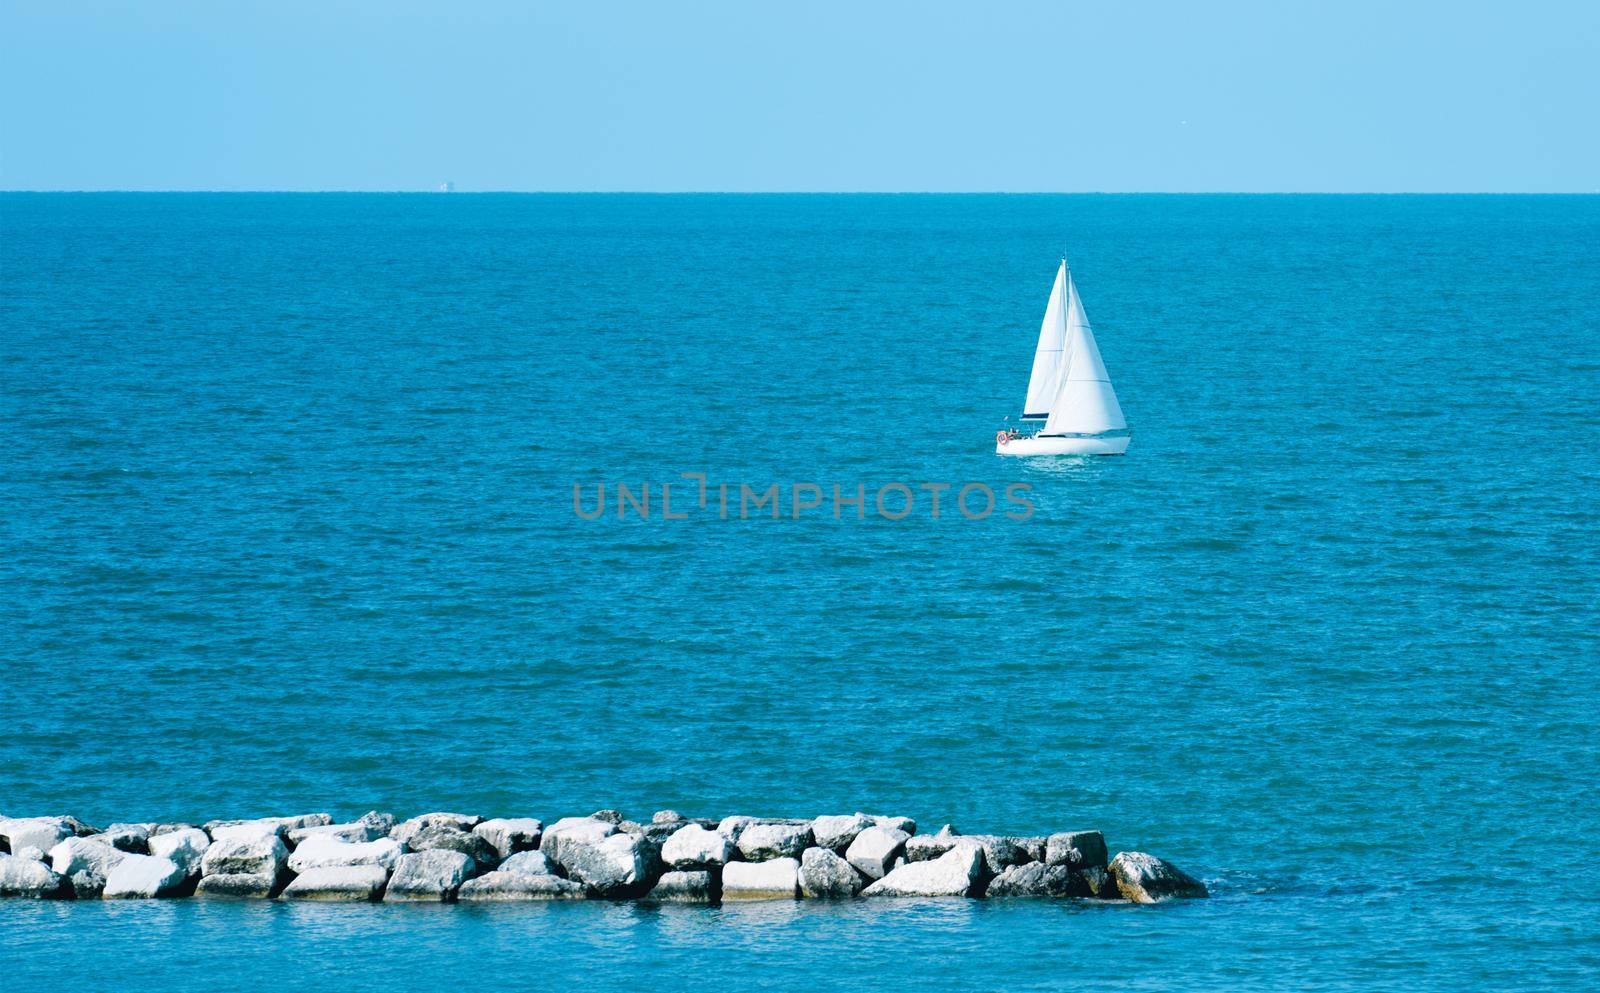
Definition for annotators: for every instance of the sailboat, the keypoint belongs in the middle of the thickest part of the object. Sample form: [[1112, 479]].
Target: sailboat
[[1071, 406]]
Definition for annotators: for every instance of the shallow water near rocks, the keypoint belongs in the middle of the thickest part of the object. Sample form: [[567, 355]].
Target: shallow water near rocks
[[288, 526]]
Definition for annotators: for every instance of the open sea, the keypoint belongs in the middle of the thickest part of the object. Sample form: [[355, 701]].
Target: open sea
[[287, 524]]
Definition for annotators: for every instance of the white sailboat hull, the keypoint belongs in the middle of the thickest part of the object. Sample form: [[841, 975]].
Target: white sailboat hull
[[1063, 445]]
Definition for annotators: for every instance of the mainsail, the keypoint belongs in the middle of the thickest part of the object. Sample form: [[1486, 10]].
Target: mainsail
[[1045, 382], [1084, 402]]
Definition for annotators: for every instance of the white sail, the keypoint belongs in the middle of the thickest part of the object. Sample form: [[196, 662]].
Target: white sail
[[1045, 382], [1085, 403]]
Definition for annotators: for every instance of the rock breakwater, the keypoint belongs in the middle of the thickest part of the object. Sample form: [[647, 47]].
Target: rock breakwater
[[442, 857]]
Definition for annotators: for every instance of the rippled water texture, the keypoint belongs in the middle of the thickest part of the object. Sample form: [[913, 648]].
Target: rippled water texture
[[287, 525]]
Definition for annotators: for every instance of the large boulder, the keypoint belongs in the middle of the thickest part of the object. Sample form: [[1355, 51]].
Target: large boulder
[[684, 887], [693, 847], [1144, 878], [321, 853], [1077, 848], [186, 846], [824, 875], [408, 829], [614, 867], [30, 878], [837, 831], [762, 842], [237, 886], [43, 833], [347, 883], [952, 874], [876, 850], [82, 854], [432, 875], [143, 877], [510, 835], [529, 864], [1035, 879], [774, 879], [450, 839], [245, 854], [368, 827], [501, 885], [573, 831]]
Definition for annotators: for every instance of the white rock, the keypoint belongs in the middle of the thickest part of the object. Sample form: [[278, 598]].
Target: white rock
[[510, 835], [406, 830], [838, 831], [432, 875], [27, 877], [43, 833], [614, 866], [503, 886], [693, 847], [31, 852], [529, 864], [826, 876], [774, 879], [573, 830], [1144, 878], [951, 874], [761, 842], [80, 854], [320, 853], [338, 882], [875, 850], [257, 855], [142, 877], [187, 847]]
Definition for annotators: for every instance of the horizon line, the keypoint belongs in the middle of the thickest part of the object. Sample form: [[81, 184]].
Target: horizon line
[[869, 192]]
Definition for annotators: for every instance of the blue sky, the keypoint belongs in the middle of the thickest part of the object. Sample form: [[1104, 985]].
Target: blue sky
[[1069, 96]]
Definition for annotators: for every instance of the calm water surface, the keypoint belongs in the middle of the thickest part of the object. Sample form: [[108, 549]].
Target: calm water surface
[[287, 525]]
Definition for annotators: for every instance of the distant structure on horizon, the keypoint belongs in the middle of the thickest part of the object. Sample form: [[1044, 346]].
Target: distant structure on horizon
[[447, 187]]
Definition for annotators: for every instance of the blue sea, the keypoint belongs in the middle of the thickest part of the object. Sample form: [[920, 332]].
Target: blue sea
[[287, 524]]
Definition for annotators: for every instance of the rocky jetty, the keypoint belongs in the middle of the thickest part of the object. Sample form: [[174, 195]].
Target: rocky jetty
[[445, 857]]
